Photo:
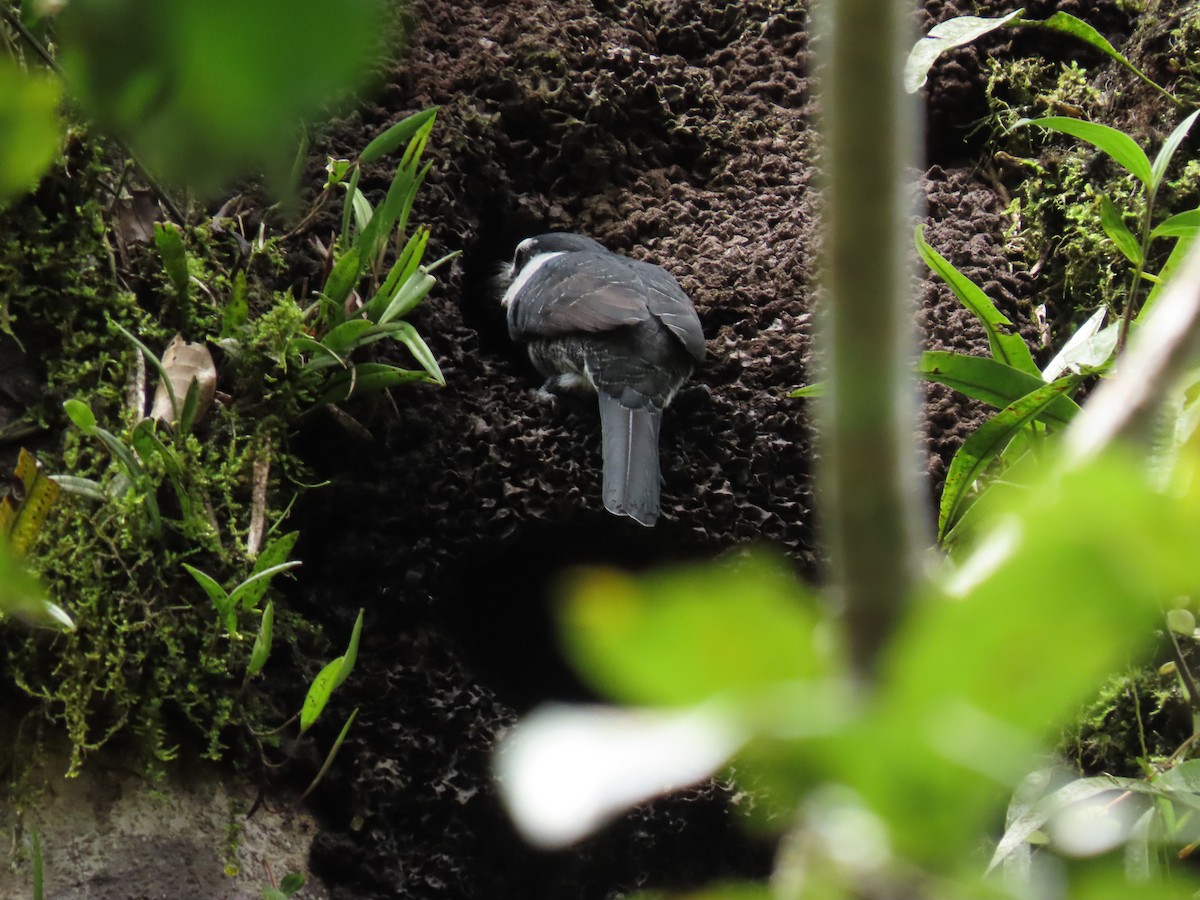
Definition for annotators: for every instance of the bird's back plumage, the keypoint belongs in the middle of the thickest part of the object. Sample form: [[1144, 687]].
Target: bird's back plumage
[[620, 326]]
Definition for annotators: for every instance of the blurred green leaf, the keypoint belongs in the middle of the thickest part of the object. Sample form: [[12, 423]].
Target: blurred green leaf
[[1116, 144], [344, 277], [205, 92], [1007, 346], [23, 596], [30, 130], [291, 883], [236, 312], [169, 241], [681, 637]]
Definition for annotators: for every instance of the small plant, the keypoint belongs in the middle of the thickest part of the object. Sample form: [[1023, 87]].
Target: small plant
[[289, 885]]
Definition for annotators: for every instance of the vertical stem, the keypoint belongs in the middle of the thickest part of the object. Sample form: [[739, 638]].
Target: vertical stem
[[869, 461], [1135, 280]]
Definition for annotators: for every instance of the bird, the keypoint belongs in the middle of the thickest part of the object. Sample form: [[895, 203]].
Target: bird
[[598, 322]]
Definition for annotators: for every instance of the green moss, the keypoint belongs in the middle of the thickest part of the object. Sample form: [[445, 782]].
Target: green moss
[[148, 657]]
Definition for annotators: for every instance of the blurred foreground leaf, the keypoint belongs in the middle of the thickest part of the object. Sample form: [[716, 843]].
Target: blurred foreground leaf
[[29, 128], [204, 92]]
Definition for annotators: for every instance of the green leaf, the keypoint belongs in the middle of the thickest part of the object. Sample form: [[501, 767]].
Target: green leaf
[[986, 443], [346, 337], [1118, 232], [363, 213], [402, 269], [348, 207], [291, 883], [411, 293], [1170, 145], [1116, 144], [366, 378], [251, 590], [408, 336], [992, 382], [205, 92], [236, 313], [1181, 621], [226, 608], [82, 487], [81, 416], [945, 36], [318, 694], [344, 277], [397, 135], [679, 638], [1006, 345], [29, 123], [262, 641], [1184, 224], [351, 655], [819, 389], [169, 240], [275, 553]]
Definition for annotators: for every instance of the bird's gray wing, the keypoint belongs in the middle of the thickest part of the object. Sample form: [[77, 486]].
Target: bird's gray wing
[[577, 291], [667, 301]]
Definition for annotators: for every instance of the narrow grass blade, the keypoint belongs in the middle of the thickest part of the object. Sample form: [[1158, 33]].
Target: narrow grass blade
[[396, 136], [987, 442], [1116, 144], [946, 36], [1118, 232], [402, 269], [348, 207], [82, 487], [155, 363], [1006, 345], [1170, 145], [992, 382], [329, 758]]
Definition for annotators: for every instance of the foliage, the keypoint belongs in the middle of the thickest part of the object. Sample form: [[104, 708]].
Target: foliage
[[198, 101], [177, 504], [962, 30]]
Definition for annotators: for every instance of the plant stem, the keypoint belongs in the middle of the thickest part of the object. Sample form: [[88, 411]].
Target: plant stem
[[1136, 279], [869, 470]]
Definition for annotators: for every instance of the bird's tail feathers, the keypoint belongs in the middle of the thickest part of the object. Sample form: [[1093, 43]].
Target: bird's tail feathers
[[631, 471]]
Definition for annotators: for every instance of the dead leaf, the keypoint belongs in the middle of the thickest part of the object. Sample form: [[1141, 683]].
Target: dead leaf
[[185, 362]]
